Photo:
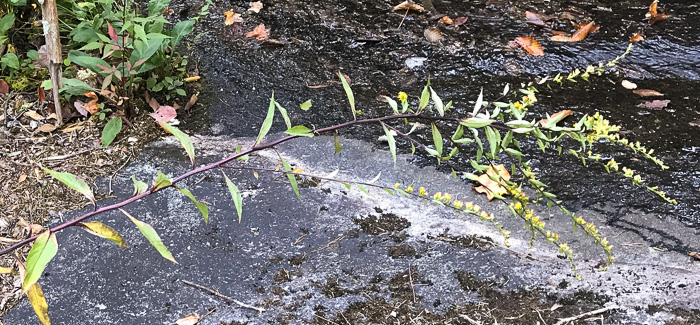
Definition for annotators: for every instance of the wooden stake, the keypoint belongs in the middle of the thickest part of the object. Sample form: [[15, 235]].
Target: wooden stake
[[52, 35]]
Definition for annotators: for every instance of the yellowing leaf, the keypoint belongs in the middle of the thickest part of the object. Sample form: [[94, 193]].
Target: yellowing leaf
[[232, 18], [161, 181], [648, 93], [73, 182], [101, 230], [152, 237], [43, 250], [491, 187], [297, 170], [6, 270], [38, 301]]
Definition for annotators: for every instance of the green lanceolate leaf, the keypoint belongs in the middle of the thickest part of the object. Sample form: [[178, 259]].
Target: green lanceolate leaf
[[424, 97], [203, 209], [305, 105], [73, 182], [437, 140], [267, 124], [291, 177], [43, 250], [337, 144], [285, 116], [139, 186], [101, 230], [38, 301], [348, 92], [479, 101], [301, 131], [160, 182], [109, 133], [437, 102], [392, 103], [392, 142], [236, 196], [181, 29], [152, 237], [182, 137], [475, 122], [494, 144]]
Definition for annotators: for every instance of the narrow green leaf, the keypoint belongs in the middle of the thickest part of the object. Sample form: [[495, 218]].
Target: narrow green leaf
[[413, 148], [337, 144], [182, 137], [73, 182], [479, 102], [389, 191], [160, 182], [362, 188], [101, 230], [38, 301], [392, 142], [433, 152], [437, 140], [332, 174], [376, 178], [305, 105], [285, 116], [475, 122], [203, 209], [392, 103], [152, 237], [437, 102], [493, 141], [424, 97], [507, 139], [267, 124], [348, 92], [236, 196], [44, 249], [139, 186], [301, 131], [110, 131], [291, 177], [458, 133]]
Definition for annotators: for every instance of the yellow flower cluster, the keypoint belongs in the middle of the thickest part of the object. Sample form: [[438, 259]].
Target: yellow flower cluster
[[403, 96]]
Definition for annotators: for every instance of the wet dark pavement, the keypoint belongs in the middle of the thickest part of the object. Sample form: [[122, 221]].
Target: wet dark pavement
[[257, 262]]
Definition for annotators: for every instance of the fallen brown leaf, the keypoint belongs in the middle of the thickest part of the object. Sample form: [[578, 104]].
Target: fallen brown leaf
[[460, 21], [654, 15], [534, 19], [408, 5], [594, 28], [255, 7], [491, 187], [42, 95], [73, 127], [22, 178], [45, 128], [191, 102], [190, 319], [33, 115], [648, 93], [4, 87], [259, 33], [655, 104], [433, 35], [695, 255], [578, 36], [636, 38], [530, 45], [446, 20], [557, 116], [232, 18]]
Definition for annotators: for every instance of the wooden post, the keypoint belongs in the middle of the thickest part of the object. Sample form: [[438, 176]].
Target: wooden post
[[52, 35]]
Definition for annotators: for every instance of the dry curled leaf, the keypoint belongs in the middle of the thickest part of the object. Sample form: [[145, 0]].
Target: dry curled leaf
[[22, 178], [695, 255], [164, 114], [446, 20], [33, 115], [648, 93], [460, 21], [594, 28], [4, 87], [655, 104], [433, 35], [628, 84], [167, 12], [45, 128], [408, 5], [491, 187], [557, 117], [41, 94], [636, 38], [255, 7], [534, 19], [530, 45], [190, 319], [578, 36], [259, 33], [655, 15], [232, 18], [191, 102]]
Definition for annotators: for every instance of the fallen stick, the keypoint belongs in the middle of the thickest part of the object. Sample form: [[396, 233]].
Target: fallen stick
[[227, 298], [590, 313]]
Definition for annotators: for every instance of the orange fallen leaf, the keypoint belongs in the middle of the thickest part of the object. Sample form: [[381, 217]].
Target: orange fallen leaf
[[636, 38], [654, 15], [557, 117], [232, 18], [491, 187], [92, 106], [41, 93], [446, 20], [190, 319], [594, 29], [259, 33], [530, 45], [648, 93], [191, 102], [558, 32], [408, 5], [255, 7], [22, 178], [576, 37]]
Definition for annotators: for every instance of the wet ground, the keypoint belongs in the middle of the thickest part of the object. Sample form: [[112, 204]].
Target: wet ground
[[344, 258]]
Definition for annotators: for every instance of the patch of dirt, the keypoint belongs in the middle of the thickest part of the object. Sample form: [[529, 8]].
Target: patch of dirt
[[332, 288], [481, 243], [384, 223], [402, 251]]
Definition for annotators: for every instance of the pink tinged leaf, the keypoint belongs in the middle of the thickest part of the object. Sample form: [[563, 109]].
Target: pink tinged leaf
[[164, 114], [105, 69], [79, 107], [128, 66], [154, 104], [112, 33], [140, 62]]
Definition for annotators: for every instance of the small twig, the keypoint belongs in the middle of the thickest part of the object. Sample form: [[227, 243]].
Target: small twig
[[410, 281], [227, 298], [404, 18], [590, 313]]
